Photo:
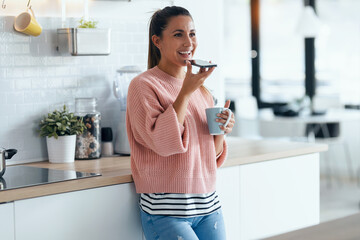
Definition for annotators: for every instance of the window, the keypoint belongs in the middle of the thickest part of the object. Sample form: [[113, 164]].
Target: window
[[282, 64], [237, 46], [281, 51], [338, 50]]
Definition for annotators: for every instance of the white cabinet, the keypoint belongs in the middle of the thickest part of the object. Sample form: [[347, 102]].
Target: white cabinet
[[7, 221], [228, 189], [279, 196], [101, 213], [269, 198]]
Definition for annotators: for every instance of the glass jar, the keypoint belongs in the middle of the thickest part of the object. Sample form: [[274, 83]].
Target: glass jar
[[88, 144]]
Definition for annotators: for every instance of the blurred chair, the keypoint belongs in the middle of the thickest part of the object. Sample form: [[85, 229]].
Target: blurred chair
[[330, 133]]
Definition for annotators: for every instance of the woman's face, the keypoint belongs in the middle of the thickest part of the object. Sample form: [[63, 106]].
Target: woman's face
[[178, 41]]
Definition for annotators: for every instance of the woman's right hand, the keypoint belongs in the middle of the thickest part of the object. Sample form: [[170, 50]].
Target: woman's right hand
[[194, 81]]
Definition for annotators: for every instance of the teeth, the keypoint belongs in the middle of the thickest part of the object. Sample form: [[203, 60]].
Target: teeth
[[188, 52]]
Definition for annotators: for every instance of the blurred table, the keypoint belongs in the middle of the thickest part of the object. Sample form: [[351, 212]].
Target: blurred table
[[275, 126]]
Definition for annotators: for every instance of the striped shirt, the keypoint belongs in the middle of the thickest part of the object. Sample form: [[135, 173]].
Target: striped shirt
[[179, 204]]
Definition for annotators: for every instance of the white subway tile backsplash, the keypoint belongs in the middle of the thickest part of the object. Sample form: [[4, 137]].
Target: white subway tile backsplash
[[15, 97], [25, 109], [70, 82], [54, 83], [6, 85], [12, 72], [41, 109], [65, 94], [2, 98], [38, 61], [46, 96], [3, 140], [131, 48], [2, 73], [34, 78], [22, 60], [2, 49], [16, 140], [132, 27], [54, 61], [70, 60], [38, 83], [38, 96], [30, 72], [17, 48], [3, 124], [6, 61], [61, 71], [23, 83], [139, 38], [6, 37], [75, 71], [8, 110], [20, 38]]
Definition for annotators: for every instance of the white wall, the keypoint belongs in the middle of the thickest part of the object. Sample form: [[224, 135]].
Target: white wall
[[34, 77]]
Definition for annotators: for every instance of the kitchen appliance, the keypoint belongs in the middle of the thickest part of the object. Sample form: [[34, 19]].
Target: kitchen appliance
[[26, 176], [5, 154], [121, 84]]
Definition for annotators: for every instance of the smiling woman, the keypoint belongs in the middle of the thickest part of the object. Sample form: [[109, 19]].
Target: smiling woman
[[174, 159]]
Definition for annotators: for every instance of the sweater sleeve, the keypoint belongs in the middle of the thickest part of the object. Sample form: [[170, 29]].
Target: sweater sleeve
[[220, 159], [154, 126]]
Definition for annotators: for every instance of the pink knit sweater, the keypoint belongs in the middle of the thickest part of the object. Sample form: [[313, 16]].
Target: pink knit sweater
[[165, 155]]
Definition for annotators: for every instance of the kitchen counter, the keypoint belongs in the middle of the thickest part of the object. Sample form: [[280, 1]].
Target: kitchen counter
[[343, 228], [116, 170]]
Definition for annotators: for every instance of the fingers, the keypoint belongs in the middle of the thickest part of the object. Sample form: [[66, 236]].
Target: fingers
[[224, 115], [227, 104], [222, 119], [205, 72], [189, 68]]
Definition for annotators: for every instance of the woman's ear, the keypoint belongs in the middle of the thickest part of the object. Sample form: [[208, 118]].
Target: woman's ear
[[156, 40]]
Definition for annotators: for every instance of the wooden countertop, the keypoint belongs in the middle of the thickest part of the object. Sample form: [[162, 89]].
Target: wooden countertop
[[116, 170], [346, 228]]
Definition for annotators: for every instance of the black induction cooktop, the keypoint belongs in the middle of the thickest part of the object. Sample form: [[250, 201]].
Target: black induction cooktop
[[25, 176]]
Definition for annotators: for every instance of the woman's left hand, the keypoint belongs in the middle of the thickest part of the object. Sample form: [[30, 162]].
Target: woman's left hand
[[223, 118]]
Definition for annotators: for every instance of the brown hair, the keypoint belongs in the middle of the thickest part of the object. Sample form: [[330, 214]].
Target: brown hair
[[158, 23]]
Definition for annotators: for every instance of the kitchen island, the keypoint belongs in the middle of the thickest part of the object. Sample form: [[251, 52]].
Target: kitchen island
[[265, 187]]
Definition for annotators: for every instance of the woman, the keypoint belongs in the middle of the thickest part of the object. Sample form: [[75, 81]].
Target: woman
[[173, 157]]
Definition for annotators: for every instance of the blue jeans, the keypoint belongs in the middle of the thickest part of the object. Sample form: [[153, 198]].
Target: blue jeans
[[160, 227]]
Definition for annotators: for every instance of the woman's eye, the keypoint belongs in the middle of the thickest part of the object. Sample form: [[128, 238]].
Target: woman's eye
[[177, 35], [192, 34]]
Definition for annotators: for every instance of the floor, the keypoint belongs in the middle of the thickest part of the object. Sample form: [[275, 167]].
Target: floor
[[340, 199]]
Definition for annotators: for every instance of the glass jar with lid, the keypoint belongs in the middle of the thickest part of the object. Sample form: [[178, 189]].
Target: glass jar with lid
[[88, 144]]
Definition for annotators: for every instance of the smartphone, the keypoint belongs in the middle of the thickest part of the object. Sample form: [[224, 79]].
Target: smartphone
[[202, 63]]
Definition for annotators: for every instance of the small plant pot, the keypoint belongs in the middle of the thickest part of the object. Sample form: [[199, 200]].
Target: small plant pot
[[61, 150]]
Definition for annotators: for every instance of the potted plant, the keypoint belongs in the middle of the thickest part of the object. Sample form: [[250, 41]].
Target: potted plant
[[87, 24], [60, 129], [84, 40]]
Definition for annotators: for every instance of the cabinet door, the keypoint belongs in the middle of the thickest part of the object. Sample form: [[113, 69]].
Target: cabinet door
[[279, 196], [228, 189], [7, 221], [101, 213]]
